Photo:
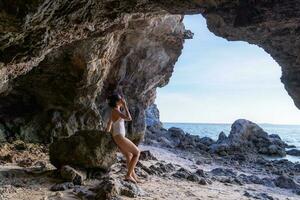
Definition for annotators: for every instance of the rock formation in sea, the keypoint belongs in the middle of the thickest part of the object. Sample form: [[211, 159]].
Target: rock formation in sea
[[59, 59]]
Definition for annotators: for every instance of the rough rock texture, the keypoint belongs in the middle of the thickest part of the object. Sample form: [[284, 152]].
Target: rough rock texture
[[246, 136], [152, 116], [57, 68], [72, 175], [110, 188], [84, 149], [59, 58], [293, 152]]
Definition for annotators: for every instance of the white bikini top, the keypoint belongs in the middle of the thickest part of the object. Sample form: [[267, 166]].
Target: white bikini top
[[119, 126]]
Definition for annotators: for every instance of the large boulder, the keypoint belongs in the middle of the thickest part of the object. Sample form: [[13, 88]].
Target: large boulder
[[85, 149], [246, 136]]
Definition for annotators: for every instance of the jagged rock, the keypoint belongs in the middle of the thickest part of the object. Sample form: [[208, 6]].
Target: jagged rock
[[72, 175], [202, 181], [110, 188], [258, 196], [207, 141], [275, 136], [176, 132], [246, 136], [107, 189], [145, 168], [160, 168], [286, 182], [266, 196], [62, 186], [260, 160], [147, 155], [175, 137], [200, 172], [165, 142], [182, 173], [297, 167], [274, 150], [290, 146], [280, 167], [223, 172], [239, 157], [252, 179], [193, 177], [84, 193], [130, 189], [222, 136], [220, 149], [293, 152], [84, 149], [268, 182]]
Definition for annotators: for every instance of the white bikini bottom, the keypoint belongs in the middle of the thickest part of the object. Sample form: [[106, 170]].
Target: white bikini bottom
[[116, 133]]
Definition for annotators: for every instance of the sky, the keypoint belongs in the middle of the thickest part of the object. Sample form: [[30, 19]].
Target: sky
[[219, 81]]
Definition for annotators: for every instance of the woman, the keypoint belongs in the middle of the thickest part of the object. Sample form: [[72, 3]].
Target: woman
[[116, 123]]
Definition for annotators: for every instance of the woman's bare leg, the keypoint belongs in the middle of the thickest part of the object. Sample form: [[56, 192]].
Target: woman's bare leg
[[128, 157], [128, 147]]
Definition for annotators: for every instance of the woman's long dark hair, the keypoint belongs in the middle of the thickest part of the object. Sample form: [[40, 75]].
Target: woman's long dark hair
[[113, 99]]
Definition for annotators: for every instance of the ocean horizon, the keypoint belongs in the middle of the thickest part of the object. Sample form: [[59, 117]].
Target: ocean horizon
[[228, 123]]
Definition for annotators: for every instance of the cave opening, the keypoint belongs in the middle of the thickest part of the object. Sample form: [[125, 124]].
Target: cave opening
[[216, 81]]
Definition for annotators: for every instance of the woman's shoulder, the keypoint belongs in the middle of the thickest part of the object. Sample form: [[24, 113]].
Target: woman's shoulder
[[115, 112]]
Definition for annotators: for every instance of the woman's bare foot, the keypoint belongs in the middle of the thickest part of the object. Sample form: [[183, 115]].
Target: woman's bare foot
[[136, 178], [130, 178]]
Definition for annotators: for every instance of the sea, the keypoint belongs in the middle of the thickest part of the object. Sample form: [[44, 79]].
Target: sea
[[288, 133]]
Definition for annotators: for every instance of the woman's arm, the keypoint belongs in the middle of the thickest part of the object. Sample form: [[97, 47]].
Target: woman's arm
[[129, 118], [108, 126], [127, 115]]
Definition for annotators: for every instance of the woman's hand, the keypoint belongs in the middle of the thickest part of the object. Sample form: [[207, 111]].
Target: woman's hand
[[123, 101]]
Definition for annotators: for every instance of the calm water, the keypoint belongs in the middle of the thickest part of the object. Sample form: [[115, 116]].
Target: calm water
[[288, 133]]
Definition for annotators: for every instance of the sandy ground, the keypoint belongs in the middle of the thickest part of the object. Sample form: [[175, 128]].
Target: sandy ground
[[164, 188], [18, 183]]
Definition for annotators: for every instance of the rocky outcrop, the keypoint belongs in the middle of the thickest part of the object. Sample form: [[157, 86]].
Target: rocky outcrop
[[175, 137], [85, 150], [110, 188], [58, 59], [152, 116], [24, 154], [246, 136]]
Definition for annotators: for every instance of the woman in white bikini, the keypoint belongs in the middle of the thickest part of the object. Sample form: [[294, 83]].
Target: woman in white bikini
[[116, 124]]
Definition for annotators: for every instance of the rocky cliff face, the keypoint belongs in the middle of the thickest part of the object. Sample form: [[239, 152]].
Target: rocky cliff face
[[58, 59], [152, 116], [72, 55]]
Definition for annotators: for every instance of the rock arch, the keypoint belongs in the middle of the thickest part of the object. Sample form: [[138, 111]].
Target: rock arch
[[58, 57]]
